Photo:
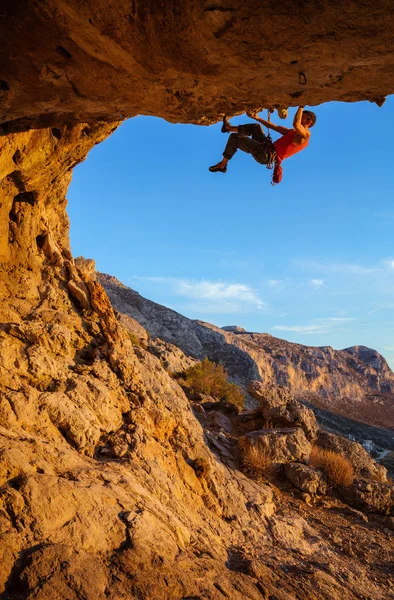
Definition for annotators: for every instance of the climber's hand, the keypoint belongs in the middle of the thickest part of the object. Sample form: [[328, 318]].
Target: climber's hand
[[251, 114]]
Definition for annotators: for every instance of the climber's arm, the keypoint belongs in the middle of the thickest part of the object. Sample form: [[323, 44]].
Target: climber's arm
[[300, 129], [277, 128]]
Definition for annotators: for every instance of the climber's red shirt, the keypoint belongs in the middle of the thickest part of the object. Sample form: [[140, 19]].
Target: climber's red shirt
[[286, 147]]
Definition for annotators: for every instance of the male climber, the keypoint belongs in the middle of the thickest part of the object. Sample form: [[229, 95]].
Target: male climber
[[251, 138]]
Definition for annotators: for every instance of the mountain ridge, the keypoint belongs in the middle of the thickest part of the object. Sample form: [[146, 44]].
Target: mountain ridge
[[357, 378]]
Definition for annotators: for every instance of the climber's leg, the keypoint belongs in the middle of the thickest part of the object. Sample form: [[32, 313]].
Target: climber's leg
[[254, 130], [235, 142], [238, 142]]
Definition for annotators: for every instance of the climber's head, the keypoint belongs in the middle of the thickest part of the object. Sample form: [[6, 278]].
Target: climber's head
[[308, 118]]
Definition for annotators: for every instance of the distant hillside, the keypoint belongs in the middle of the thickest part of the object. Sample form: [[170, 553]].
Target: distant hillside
[[356, 381]]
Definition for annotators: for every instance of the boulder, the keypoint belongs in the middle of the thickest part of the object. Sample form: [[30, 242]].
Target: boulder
[[361, 461], [371, 496], [283, 445], [86, 267], [279, 406], [306, 478], [218, 421], [269, 396], [303, 417]]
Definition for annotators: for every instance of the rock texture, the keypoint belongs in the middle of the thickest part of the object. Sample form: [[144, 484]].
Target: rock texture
[[355, 381], [279, 406], [282, 445], [371, 496], [306, 478], [109, 486], [63, 60]]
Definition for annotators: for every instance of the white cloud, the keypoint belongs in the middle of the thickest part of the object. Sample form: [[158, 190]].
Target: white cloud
[[217, 290], [389, 262], [322, 325], [218, 296], [273, 283], [316, 328], [336, 319], [335, 267], [388, 306], [389, 348], [316, 283]]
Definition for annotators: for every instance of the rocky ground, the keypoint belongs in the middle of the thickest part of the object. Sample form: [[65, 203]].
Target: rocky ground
[[102, 490]]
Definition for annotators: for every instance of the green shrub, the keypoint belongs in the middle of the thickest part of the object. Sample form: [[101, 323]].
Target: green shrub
[[209, 378]]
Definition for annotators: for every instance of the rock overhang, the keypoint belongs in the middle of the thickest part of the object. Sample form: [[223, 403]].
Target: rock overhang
[[67, 61]]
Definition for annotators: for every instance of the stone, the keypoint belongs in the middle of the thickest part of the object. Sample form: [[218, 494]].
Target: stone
[[306, 478], [307, 498], [283, 445], [86, 267], [371, 496], [76, 49], [79, 291], [217, 420], [278, 406], [171, 357], [269, 397], [389, 523]]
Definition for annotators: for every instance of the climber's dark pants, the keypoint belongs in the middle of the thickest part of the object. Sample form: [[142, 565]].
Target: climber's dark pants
[[256, 145]]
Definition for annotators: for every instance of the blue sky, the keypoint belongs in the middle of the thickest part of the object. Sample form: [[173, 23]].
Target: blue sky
[[310, 260]]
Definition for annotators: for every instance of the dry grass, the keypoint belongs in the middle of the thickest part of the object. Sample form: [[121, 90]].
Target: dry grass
[[257, 461], [209, 378], [338, 469]]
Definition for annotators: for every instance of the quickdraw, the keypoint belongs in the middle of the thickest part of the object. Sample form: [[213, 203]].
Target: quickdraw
[[273, 162]]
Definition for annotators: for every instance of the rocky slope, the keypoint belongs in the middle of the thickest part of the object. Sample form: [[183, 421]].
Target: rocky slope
[[101, 495], [99, 498], [356, 381]]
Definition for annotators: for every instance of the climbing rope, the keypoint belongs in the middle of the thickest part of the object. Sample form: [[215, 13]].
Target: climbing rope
[[271, 148], [273, 162]]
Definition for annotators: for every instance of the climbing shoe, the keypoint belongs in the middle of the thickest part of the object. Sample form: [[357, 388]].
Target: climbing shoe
[[218, 169], [225, 123]]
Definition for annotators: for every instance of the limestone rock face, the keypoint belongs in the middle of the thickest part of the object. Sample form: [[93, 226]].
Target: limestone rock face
[[343, 380], [283, 410], [96, 447], [371, 496], [306, 478], [65, 61], [283, 445]]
